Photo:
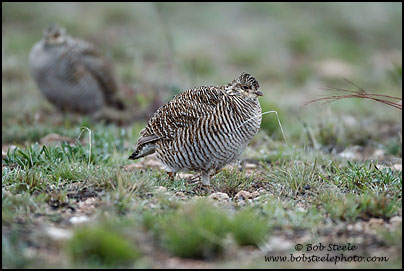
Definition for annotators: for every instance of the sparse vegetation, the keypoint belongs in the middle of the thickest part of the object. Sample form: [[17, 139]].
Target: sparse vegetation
[[71, 200]]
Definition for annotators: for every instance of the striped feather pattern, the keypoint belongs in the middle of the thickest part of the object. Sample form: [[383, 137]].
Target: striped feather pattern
[[203, 129]]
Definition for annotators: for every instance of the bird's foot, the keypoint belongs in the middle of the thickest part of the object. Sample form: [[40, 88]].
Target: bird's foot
[[201, 180], [203, 187]]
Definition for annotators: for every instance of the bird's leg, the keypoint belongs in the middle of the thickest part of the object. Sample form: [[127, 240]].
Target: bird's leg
[[205, 179], [171, 175]]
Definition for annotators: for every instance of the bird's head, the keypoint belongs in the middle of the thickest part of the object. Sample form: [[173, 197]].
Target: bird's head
[[54, 35], [245, 85]]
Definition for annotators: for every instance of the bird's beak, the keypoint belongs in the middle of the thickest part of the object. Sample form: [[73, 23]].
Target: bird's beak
[[259, 93]]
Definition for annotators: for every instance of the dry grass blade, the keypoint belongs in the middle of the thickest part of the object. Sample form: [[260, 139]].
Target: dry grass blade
[[361, 94]]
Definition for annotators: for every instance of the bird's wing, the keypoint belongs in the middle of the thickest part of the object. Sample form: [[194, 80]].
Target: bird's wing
[[88, 56], [65, 81], [184, 110]]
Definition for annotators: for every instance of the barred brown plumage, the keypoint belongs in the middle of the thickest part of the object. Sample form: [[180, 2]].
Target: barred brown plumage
[[204, 128], [72, 74]]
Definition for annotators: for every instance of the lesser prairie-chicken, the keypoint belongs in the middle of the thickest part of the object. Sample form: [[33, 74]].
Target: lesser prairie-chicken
[[72, 74], [204, 128]]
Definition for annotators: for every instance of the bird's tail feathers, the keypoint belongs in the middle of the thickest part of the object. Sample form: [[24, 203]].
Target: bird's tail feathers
[[142, 151]]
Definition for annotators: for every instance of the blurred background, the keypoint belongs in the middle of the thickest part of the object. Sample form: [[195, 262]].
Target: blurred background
[[295, 50], [339, 182]]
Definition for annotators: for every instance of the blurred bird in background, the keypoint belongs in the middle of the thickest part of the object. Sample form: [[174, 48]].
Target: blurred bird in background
[[72, 74]]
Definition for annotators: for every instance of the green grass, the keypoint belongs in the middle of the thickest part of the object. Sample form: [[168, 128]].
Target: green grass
[[352, 207], [366, 177], [248, 228], [300, 196], [230, 182], [286, 215], [11, 246], [100, 246], [196, 230], [308, 191]]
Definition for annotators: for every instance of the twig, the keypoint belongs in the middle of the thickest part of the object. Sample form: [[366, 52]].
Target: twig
[[361, 94]]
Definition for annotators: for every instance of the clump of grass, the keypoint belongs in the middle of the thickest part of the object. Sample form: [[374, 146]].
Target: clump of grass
[[19, 181], [21, 207], [101, 246], [248, 228], [12, 245], [24, 158], [195, 230], [297, 178], [71, 172], [378, 205], [394, 146], [285, 214], [231, 182], [392, 236], [46, 156], [349, 207], [151, 221], [338, 206], [359, 178]]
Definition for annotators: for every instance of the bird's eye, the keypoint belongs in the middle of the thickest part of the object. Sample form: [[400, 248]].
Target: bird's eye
[[244, 87]]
